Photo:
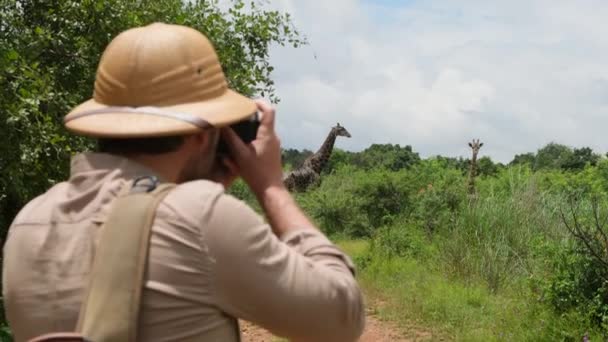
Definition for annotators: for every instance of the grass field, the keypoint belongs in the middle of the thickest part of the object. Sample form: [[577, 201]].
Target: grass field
[[419, 296]]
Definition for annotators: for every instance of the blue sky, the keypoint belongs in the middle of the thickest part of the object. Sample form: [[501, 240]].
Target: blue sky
[[436, 74]]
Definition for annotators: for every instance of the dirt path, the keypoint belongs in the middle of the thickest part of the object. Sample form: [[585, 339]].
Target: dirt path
[[375, 331]]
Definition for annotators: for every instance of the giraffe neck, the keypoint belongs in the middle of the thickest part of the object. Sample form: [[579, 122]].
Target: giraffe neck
[[320, 159], [473, 172], [474, 165]]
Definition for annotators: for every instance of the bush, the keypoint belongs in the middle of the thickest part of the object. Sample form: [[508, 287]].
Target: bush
[[401, 239], [579, 280], [355, 202], [577, 285], [336, 212], [437, 204]]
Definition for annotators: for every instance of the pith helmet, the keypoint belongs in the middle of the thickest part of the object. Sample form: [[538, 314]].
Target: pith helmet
[[158, 80]]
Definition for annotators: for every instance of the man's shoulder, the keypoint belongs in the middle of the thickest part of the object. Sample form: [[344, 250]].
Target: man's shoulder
[[39, 205], [200, 196], [196, 191]]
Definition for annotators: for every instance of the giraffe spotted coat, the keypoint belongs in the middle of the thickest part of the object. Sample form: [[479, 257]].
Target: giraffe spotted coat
[[309, 173]]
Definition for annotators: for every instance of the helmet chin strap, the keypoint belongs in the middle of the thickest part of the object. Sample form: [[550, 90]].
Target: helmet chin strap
[[189, 118]]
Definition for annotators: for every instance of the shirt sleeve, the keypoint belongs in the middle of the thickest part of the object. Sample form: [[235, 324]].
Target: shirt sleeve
[[301, 287]]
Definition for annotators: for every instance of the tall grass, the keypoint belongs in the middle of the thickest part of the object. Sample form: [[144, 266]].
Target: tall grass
[[413, 291], [495, 237]]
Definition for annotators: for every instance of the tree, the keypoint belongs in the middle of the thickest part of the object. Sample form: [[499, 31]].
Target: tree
[[526, 158], [294, 158], [388, 156], [49, 50], [487, 167], [461, 164], [556, 156], [552, 156], [580, 158], [339, 158]]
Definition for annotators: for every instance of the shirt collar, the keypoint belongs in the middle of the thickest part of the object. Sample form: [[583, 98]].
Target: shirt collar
[[95, 162]]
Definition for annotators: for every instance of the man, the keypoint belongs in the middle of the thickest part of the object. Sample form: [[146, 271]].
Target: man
[[159, 105]]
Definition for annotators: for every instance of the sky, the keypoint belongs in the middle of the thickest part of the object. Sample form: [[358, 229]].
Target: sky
[[436, 74]]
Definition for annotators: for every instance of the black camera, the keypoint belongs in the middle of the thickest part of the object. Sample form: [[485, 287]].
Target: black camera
[[247, 130]]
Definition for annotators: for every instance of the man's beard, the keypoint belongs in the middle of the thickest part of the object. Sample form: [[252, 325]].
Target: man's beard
[[198, 167], [202, 164]]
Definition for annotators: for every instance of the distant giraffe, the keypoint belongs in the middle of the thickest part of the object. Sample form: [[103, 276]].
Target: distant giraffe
[[475, 145], [310, 171]]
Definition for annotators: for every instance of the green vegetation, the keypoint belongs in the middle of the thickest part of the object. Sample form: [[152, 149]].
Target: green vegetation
[[526, 259]]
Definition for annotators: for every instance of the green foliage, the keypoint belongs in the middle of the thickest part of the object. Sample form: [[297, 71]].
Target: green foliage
[[338, 159], [579, 279], [578, 284], [580, 158], [437, 204], [501, 266], [526, 158], [486, 167], [555, 156], [552, 156], [387, 156], [401, 239], [498, 235], [294, 158], [414, 291], [459, 163], [356, 202]]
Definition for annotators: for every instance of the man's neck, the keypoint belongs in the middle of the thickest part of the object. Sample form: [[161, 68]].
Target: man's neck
[[167, 166]]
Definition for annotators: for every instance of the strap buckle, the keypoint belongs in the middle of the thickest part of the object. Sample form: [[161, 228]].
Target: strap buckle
[[149, 184]]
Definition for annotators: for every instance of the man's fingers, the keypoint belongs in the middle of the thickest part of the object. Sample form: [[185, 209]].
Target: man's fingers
[[268, 113], [235, 144], [231, 166]]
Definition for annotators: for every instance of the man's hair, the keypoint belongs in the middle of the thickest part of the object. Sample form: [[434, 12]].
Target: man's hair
[[153, 145]]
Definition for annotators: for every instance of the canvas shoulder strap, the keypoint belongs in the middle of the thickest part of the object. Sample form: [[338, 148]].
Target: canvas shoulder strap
[[110, 309]]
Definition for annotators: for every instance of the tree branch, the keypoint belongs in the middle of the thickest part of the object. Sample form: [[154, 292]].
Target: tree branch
[[583, 235]]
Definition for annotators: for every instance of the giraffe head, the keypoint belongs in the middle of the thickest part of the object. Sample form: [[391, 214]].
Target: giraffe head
[[340, 131], [475, 145]]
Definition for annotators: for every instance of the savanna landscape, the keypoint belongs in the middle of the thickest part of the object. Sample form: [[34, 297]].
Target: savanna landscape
[[447, 248], [523, 258]]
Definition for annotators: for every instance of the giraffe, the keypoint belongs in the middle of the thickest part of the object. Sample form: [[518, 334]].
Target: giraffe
[[475, 145], [310, 171]]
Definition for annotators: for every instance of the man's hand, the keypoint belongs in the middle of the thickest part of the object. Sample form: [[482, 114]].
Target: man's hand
[[259, 163]]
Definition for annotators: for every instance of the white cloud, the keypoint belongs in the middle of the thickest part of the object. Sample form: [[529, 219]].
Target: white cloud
[[435, 74]]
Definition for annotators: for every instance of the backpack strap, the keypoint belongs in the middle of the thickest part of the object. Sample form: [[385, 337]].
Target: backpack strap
[[110, 309]]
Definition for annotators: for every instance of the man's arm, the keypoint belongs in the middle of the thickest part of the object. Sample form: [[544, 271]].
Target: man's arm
[[282, 211], [259, 164], [301, 288], [295, 282]]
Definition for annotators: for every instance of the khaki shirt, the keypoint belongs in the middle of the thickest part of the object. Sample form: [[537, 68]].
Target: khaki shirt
[[212, 260]]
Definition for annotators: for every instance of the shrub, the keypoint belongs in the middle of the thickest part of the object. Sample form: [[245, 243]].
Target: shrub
[[336, 212], [437, 204], [579, 280], [401, 239], [355, 202]]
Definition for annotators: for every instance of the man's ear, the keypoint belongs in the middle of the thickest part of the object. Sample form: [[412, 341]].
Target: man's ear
[[197, 141], [208, 138]]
